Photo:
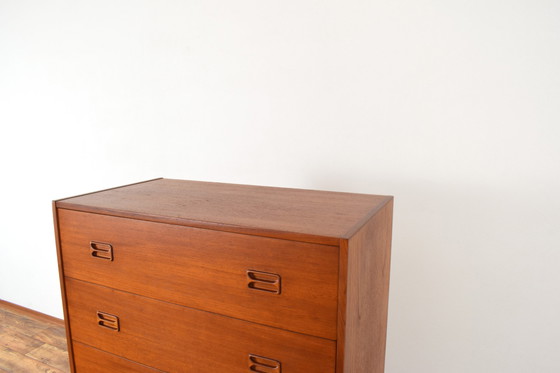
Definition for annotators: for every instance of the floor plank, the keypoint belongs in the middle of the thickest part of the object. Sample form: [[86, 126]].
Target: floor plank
[[15, 362], [53, 336], [31, 343], [16, 341], [50, 355], [24, 324]]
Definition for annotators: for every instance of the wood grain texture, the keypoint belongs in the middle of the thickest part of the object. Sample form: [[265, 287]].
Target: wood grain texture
[[207, 269], [180, 339], [363, 325], [17, 341], [15, 308], [54, 336], [14, 362], [92, 360], [107, 189], [179, 261], [62, 288], [28, 341], [23, 323], [294, 214], [341, 307], [50, 355]]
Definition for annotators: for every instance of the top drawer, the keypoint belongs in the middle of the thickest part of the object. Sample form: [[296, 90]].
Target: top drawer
[[285, 284]]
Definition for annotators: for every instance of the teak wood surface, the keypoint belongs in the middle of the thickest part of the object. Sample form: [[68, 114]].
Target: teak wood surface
[[92, 360], [293, 214], [180, 253], [362, 327], [180, 339], [207, 269]]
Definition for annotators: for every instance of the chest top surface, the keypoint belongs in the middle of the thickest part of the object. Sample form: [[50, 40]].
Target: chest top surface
[[294, 214]]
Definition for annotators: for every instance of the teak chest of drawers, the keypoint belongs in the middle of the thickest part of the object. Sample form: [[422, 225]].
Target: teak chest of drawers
[[185, 276]]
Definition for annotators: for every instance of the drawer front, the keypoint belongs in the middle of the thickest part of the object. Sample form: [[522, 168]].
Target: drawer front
[[91, 360], [174, 338], [285, 284]]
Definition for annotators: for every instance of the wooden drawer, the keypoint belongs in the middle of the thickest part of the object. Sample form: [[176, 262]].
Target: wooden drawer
[[207, 269], [179, 339], [91, 360]]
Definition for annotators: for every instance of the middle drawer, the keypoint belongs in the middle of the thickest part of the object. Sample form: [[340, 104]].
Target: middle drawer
[[285, 284], [179, 339]]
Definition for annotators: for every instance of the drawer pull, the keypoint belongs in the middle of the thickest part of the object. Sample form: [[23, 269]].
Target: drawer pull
[[264, 281], [264, 365], [108, 321], [101, 250]]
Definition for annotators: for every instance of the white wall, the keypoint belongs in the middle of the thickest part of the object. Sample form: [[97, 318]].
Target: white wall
[[451, 106]]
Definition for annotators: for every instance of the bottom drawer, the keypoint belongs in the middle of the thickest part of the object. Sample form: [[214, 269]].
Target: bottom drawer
[[91, 360], [179, 339]]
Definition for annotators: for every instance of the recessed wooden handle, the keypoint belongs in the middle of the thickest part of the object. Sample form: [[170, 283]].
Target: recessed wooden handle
[[262, 364], [106, 320], [264, 281], [101, 250]]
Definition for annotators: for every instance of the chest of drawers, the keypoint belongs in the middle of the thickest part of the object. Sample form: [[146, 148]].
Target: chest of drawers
[[185, 276]]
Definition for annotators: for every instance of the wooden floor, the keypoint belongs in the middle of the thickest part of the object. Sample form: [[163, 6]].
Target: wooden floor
[[31, 342]]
